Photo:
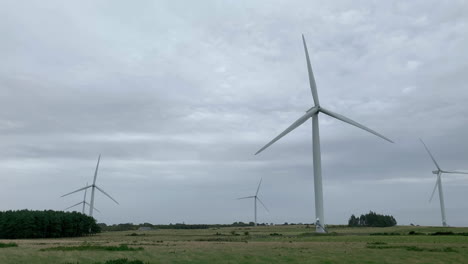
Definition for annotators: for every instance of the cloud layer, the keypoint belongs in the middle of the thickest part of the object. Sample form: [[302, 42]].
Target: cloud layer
[[178, 96]]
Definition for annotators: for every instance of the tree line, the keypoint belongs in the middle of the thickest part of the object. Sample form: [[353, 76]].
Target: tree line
[[131, 226], [372, 219], [45, 224]]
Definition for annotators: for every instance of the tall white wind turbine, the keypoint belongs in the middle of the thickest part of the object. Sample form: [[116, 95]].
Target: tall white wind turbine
[[255, 197], [93, 187], [438, 184], [84, 203], [313, 113]]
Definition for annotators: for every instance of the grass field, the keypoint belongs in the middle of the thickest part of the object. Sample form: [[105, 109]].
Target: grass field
[[264, 244]]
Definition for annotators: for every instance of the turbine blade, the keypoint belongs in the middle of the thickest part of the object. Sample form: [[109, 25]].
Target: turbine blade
[[258, 188], [73, 206], [84, 198], [245, 197], [96, 210], [84, 188], [456, 172], [433, 191], [313, 86], [263, 204], [93, 207], [351, 122], [298, 122], [432, 157], [101, 190], [97, 167]]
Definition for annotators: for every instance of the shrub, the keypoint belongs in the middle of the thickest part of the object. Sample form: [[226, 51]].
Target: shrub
[[135, 234], [275, 234], [84, 247], [449, 233], [116, 261], [5, 245], [376, 243], [385, 234], [123, 261]]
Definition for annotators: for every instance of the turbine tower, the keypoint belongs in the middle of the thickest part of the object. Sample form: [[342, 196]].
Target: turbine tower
[[255, 197], [438, 184], [83, 202], [93, 187], [313, 113]]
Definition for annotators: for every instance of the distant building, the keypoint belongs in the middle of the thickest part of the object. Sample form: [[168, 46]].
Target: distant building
[[144, 228]]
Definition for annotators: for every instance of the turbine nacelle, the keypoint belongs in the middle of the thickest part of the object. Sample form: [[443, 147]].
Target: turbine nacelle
[[435, 172]]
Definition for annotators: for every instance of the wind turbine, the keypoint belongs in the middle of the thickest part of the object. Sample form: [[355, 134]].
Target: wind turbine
[[83, 202], [255, 197], [313, 113], [438, 184], [93, 187]]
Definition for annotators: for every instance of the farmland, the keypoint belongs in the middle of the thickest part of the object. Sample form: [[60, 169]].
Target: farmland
[[263, 244]]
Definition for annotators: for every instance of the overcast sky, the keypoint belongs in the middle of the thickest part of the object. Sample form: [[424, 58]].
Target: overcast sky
[[177, 96]]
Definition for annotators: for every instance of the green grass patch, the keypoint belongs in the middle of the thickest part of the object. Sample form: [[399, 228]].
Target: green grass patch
[[6, 245], [409, 248], [309, 234], [85, 247], [116, 261]]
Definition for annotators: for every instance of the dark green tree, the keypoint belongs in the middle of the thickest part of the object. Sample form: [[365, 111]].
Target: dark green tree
[[353, 221], [372, 219], [45, 224]]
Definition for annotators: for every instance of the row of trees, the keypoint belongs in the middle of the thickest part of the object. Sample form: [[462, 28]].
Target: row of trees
[[131, 226], [45, 224], [372, 219]]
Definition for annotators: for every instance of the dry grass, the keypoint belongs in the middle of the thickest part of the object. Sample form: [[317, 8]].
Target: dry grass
[[288, 244]]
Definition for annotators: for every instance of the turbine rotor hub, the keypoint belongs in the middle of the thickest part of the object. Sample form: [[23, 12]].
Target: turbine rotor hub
[[314, 107]]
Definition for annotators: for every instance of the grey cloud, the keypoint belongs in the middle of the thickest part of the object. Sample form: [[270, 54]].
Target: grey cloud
[[177, 98]]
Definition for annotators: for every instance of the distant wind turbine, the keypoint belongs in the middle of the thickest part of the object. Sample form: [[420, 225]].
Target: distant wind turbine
[[84, 203], [93, 187], [313, 113], [438, 184], [255, 197]]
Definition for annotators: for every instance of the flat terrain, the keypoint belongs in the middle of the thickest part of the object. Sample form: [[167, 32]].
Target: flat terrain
[[264, 244]]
